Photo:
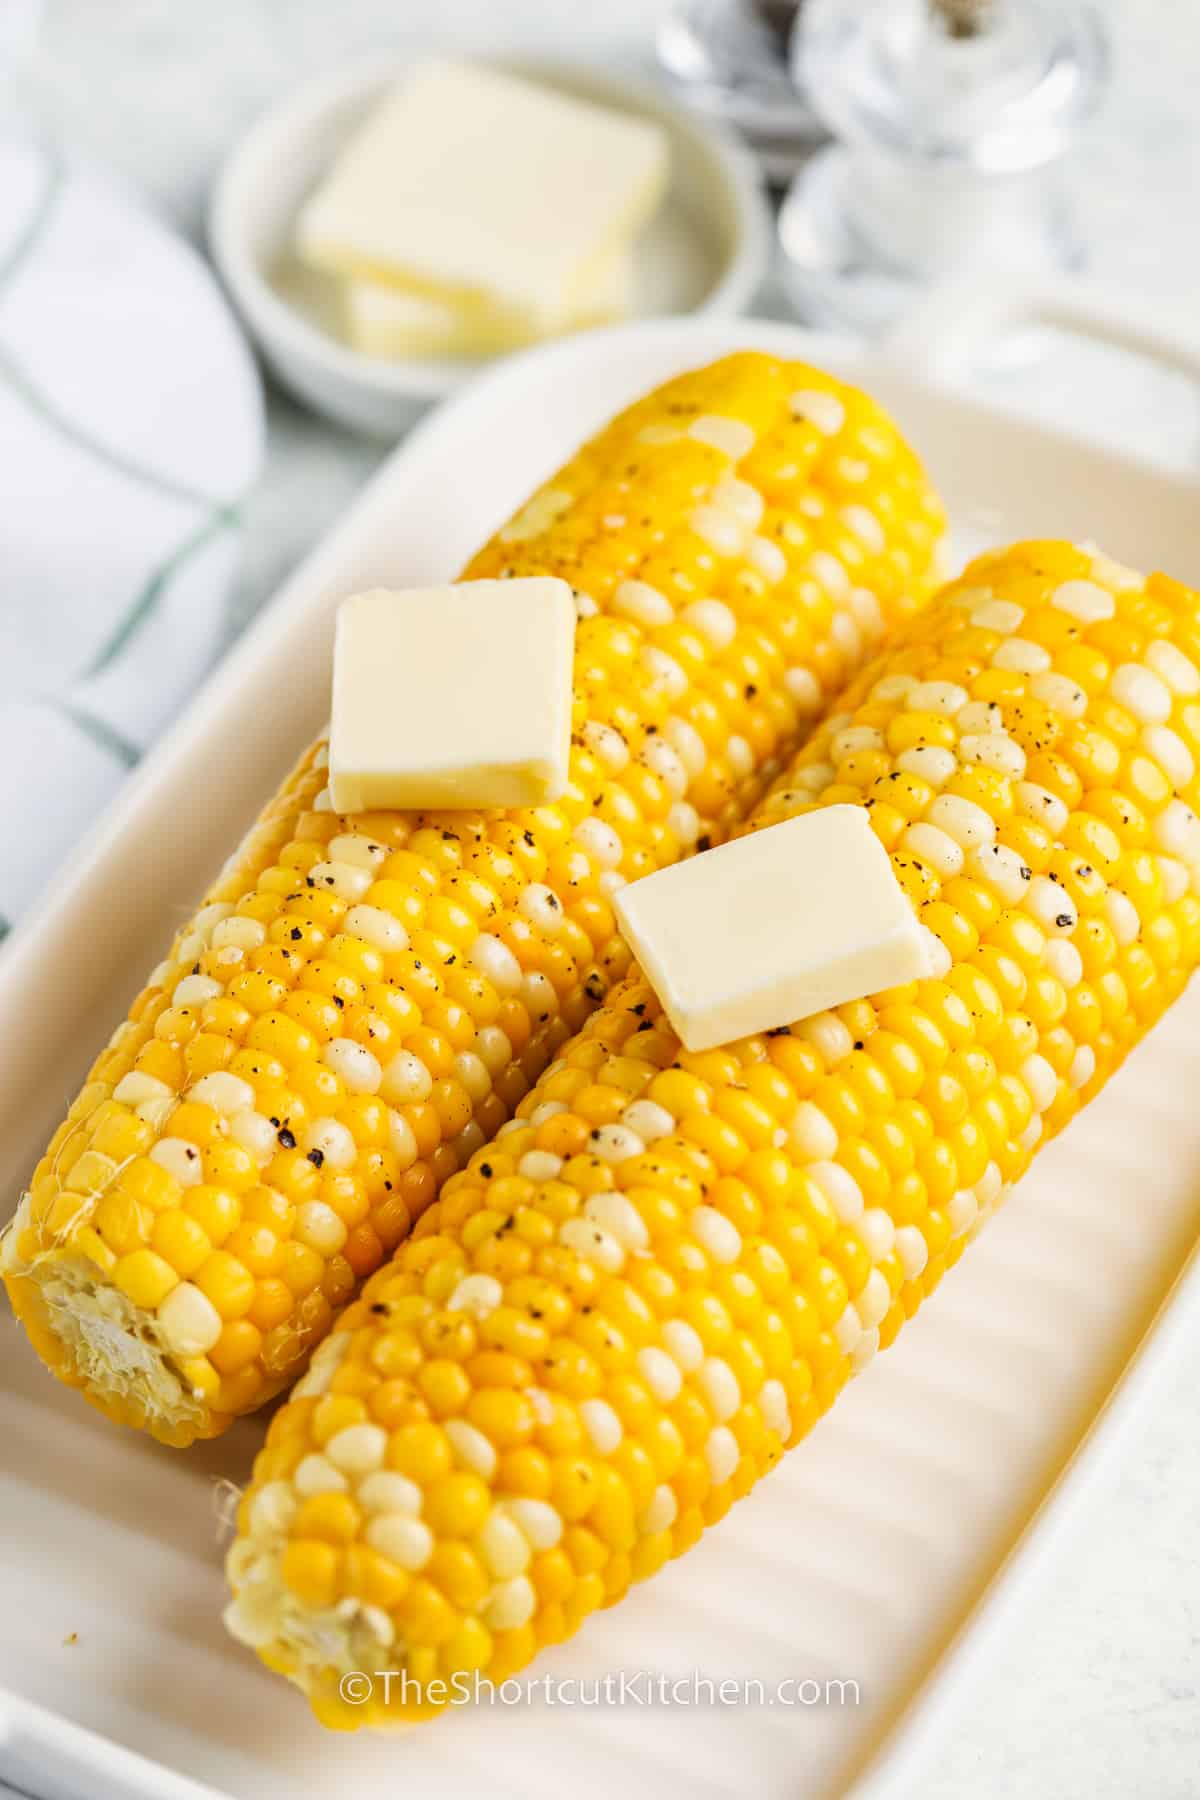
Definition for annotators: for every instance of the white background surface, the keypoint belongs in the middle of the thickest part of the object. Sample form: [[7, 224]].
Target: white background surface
[[1097, 1694]]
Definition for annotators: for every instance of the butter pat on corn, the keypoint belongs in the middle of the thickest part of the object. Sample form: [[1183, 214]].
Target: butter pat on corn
[[452, 697], [470, 186], [772, 928]]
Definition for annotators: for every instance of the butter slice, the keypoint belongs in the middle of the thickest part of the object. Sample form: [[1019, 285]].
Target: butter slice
[[773, 927], [473, 187], [388, 322], [450, 697]]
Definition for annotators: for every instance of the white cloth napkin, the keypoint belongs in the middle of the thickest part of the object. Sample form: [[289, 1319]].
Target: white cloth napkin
[[131, 427]]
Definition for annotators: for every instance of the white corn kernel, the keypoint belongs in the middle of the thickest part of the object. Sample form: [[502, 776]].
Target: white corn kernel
[[475, 1451], [319, 1228], [945, 698], [602, 1425], [503, 1545], [1170, 753], [540, 1522], [135, 1089], [541, 906], [648, 1120], [1022, 657], [643, 604], [510, 1605], [683, 1344], [1172, 666], [385, 1491], [1064, 695], [357, 1449], [539, 1165], [912, 1250], [998, 615], [346, 880], [962, 1211], [406, 1081], [935, 848], [721, 1454], [878, 1233], [617, 1215], [1044, 808], [660, 1372], [255, 1134], [968, 824], [811, 1134], [1085, 601], [354, 1065], [360, 852], [715, 1234], [188, 1322], [713, 620], [606, 743], [866, 528], [1039, 1077], [316, 1475], [1177, 831], [839, 1188], [663, 669], [495, 960], [766, 559], [593, 1244], [1122, 916], [1051, 905], [225, 1093], [718, 530], [662, 1511], [819, 408], [1141, 692], [741, 499], [994, 750], [476, 1294], [407, 1541], [873, 1300], [733, 436], [332, 1142], [719, 1386], [376, 927], [930, 762], [194, 990], [180, 1159], [614, 1143]]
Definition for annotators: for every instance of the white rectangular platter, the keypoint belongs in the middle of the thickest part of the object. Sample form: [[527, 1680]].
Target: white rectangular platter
[[882, 1552]]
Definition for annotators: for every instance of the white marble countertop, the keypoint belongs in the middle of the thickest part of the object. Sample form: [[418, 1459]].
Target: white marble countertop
[[1095, 1692]]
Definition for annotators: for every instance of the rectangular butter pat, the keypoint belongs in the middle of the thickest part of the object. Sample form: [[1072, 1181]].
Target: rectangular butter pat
[[390, 322], [471, 186], [451, 697], [773, 927]]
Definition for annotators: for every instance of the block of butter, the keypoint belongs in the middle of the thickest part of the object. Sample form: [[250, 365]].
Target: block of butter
[[388, 322], [473, 187], [773, 927], [451, 697]]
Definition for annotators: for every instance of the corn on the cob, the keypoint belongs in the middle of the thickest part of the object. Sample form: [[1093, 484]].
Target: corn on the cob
[[360, 1002], [664, 1270]]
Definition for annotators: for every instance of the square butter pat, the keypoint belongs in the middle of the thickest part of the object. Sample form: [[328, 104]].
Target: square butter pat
[[390, 322], [452, 696], [467, 184], [773, 927]]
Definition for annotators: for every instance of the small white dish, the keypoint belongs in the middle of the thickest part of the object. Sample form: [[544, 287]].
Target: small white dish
[[705, 251]]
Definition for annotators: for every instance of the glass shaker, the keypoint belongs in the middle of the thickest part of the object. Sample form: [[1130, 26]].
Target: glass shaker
[[953, 120]]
